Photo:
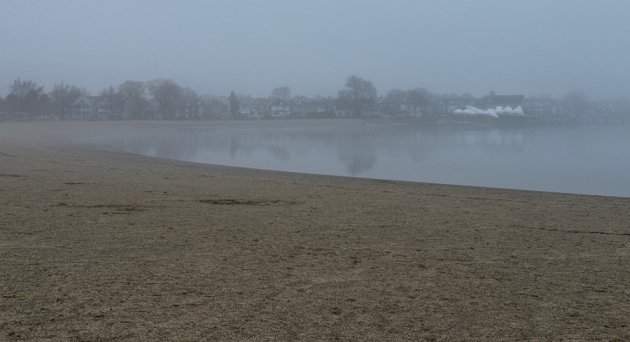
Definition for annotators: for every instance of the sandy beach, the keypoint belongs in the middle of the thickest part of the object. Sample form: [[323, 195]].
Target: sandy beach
[[98, 245]]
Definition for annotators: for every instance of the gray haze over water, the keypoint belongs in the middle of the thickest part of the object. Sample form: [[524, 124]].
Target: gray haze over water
[[531, 47], [573, 159]]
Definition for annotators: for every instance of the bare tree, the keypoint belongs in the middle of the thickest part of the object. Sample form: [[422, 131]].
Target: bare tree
[[131, 89], [21, 89], [408, 102], [420, 100], [358, 96], [393, 102], [26, 96], [132, 102], [64, 96], [167, 94], [189, 104], [112, 100]]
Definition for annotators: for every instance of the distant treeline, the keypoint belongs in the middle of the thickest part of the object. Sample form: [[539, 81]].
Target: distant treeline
[[164, 99]]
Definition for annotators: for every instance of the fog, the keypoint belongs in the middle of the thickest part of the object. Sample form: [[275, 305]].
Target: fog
[[525, 47], [308, 170], [429, 64]]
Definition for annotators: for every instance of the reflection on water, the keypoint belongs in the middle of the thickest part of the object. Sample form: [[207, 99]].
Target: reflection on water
[[593, 160]]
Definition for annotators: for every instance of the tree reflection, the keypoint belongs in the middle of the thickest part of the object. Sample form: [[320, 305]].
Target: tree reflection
[[358, 154]]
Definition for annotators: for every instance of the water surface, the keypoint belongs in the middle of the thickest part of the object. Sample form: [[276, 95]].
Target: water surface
[[577, 159]]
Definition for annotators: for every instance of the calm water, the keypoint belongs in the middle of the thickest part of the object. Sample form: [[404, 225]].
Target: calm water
[[584, 159]]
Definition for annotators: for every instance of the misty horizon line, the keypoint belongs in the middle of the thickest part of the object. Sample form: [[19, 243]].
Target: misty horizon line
[[89, 92]]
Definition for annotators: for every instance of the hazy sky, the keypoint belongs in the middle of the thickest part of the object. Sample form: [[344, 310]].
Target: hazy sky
[[252, 46]]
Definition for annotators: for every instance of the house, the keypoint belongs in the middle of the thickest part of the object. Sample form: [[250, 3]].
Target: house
[[248, 108], [83, 108], [279, 109], [104, 109], [492, 101], [410, 111], [318, 107], [93, 108], [263, 108], [215, 107], [317, 110], [189, 109], [343, 113], [543, 108], [451, 103]]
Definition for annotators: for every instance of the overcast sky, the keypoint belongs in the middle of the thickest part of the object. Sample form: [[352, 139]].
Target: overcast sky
[[251, 46]]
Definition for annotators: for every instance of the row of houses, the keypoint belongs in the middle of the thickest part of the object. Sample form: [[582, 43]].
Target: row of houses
[[469, 108], [298, 107], [210, 107]]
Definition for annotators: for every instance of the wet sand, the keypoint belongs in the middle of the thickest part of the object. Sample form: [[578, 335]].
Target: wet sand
[[110, 246]]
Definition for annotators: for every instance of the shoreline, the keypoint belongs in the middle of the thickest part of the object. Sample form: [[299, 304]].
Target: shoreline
[[104, 136], [99, 245]]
